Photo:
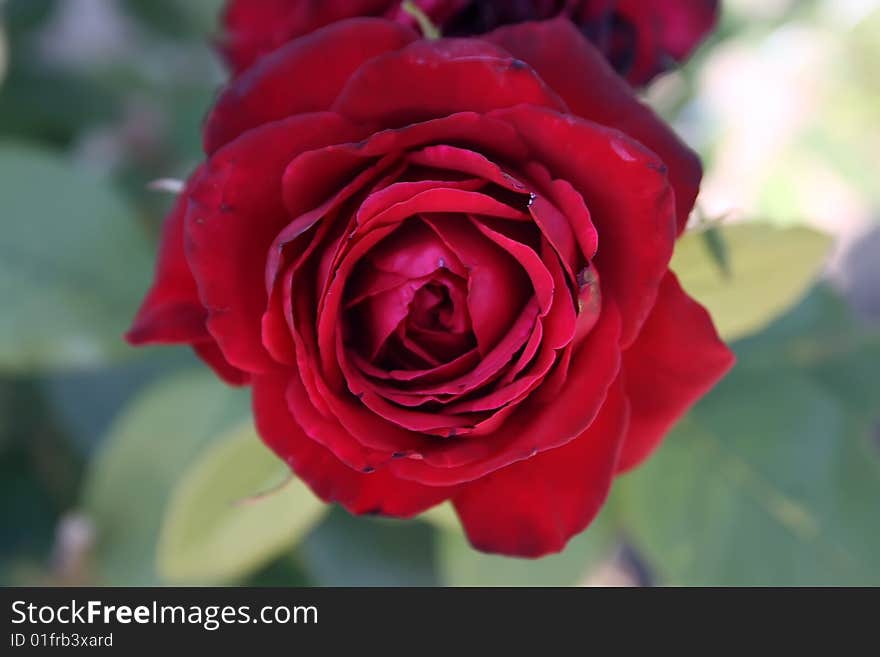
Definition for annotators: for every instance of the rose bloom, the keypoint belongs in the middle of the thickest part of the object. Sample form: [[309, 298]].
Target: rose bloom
[[442, 266], [640, 38]]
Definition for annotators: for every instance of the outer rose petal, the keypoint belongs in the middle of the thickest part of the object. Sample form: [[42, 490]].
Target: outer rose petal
[[378, 492], [677, 359], [431, 79], [580, 75], [628, 194], [172, 313], [533, 507], [235, 213], [209, 352], [306, 75]]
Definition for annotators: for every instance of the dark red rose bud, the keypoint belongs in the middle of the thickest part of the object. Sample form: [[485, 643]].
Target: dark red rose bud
[[644, 38], [443, 266], [256, 27], [640, 38]]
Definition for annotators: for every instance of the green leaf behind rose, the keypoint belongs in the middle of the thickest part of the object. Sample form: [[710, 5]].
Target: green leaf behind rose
[[767, 270], [774, 478], [233, 511], [148, 449], [347, 550]]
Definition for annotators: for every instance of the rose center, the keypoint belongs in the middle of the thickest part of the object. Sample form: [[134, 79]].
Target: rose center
[[432, 309], [409, 309]]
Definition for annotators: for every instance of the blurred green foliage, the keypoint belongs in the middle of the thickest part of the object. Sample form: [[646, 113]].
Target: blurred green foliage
[[73, 295], [773, 479], [239, 508]]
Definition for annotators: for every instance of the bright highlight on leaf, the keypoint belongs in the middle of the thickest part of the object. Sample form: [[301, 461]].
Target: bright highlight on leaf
[[234, 511], [443, 516], [770, 269], [167, 185]]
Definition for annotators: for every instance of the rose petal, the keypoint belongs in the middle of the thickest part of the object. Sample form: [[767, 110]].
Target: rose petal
[[578, 72], [171, 312], [541, 279], [427, 79], [533, 507], [532, 428], [382, 313], [468, 162], [402, 194], [487, 369], [317, 175], [677, 359], [412, 420], [234, 214], [276, 335], [631, 202], [444, 372], [377, 492], [209, 352], [498, 287], [415, 251], [285, 83], [571, 204], [440, 200]]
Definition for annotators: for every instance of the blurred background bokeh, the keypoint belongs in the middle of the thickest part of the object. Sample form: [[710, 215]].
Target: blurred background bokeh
[[107, 455]]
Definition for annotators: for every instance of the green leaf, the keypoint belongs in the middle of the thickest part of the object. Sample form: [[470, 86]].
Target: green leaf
[[148, 448], [73, 265], [286, 571], [462, 565], [442, 516], [771, 269], [823, 340], [233, 512], [24, 16], [346, 550], [48, 105], [85, 403], [774, 478], [715, 242]]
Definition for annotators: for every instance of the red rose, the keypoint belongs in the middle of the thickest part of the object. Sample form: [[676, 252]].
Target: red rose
[[443, 267], [641, 38]]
